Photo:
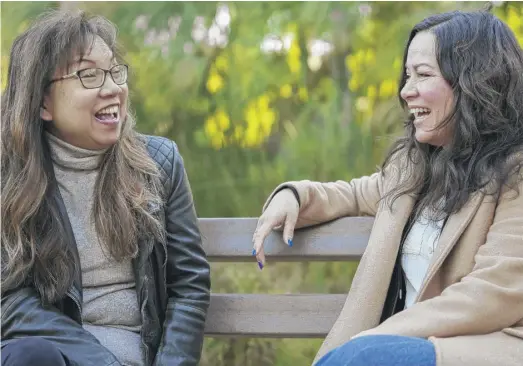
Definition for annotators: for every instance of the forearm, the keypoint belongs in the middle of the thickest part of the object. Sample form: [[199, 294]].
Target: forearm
[[183, 335], [322, 202]]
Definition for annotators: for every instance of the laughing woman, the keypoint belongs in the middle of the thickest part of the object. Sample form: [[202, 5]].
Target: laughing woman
[[102, 262], [441, 280]]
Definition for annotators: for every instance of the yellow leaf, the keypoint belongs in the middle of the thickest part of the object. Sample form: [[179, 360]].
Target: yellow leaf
[[217, 141], [366, 30], [303, 93], [352, 63], [251, 137], [211, 128], [286, 91], [513, 19], [294, 63], [360, 56], [372, 92], [370, 57], [251, 117], [353, 84], [263, 101], [267, 119], [388, 88], [222, 63], [223, 120], [214, 83]]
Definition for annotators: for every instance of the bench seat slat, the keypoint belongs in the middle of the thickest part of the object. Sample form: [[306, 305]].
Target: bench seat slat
[[273, 316], [230, 240]]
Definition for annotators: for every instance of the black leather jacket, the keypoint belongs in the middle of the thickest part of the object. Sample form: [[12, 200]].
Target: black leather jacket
[[172, 283]]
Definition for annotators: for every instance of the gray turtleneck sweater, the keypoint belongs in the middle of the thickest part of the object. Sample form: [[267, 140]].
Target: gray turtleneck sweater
[[110, 309]]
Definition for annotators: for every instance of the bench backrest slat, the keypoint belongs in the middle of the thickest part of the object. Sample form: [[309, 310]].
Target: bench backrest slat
[[230, 240]]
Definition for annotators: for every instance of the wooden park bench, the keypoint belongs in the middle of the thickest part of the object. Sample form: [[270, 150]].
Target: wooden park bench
[[285, 315]]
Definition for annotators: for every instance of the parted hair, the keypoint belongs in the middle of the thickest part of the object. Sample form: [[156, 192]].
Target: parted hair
[[35, 251], [480, 58]]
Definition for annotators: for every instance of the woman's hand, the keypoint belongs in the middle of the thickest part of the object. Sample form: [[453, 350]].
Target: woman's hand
[[283, 211]]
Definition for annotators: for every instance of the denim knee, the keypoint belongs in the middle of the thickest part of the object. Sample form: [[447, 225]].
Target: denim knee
[[32, 351], [382, 350]]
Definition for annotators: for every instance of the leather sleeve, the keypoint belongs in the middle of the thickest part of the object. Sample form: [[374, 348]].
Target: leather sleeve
[[24, 316], [187, 273]]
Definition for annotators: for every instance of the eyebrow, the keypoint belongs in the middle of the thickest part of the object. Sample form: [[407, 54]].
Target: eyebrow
[[84, 59], [416, 66]]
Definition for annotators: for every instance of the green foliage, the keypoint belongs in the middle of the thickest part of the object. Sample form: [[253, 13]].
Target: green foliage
[[246, 120]]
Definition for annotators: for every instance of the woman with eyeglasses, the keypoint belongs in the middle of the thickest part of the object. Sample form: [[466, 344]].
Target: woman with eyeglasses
[[102, 259], [441, 280]]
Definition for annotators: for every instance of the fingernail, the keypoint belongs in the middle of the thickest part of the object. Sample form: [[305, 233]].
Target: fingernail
[[260, 265], [254, 252], [290, 242]]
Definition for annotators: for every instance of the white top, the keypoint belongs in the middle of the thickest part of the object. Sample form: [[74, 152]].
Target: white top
[[419, 246]]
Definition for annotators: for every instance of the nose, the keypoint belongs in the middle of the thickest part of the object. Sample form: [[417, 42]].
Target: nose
[[109, 87], [409, 90]]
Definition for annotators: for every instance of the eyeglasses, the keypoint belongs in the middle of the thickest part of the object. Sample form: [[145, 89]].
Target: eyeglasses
[[93, 78]]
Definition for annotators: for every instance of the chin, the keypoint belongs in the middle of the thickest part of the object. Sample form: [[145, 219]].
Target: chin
[[430, 142], [108, 140], [422, 137], [430, 138]]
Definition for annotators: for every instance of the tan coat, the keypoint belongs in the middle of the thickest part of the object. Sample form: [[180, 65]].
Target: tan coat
[[471, 303]]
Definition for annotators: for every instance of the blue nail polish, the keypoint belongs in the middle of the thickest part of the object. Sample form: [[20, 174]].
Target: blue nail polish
[[260, 265], [254, 252], [290, 242]]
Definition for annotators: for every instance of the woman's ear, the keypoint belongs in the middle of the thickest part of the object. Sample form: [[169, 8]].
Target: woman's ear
[[45, 112]]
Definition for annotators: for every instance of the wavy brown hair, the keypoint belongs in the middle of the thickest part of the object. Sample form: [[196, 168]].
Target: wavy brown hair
[[35, 250], [480, 58]]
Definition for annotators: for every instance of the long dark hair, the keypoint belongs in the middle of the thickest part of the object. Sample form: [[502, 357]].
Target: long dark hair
[[34, 246], [482, 61]]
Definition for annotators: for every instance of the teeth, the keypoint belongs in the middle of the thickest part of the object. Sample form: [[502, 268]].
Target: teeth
[[417, 111], [109, 110]]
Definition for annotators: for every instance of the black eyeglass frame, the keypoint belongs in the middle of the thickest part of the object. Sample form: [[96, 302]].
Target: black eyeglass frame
[[76, 74]]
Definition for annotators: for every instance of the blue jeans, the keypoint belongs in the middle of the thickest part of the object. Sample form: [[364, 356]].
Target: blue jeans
[[382, 350]]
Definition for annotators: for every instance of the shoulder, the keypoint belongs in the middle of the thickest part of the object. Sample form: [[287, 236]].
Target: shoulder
[[399, 168], [166, 155], [160, 149], [513, 183]]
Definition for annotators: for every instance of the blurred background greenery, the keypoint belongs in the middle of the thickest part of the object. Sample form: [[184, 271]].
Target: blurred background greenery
[[257, 93]]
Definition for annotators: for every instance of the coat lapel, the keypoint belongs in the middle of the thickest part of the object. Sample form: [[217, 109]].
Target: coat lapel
[[364, 304], [377, 264], [455, 226]]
